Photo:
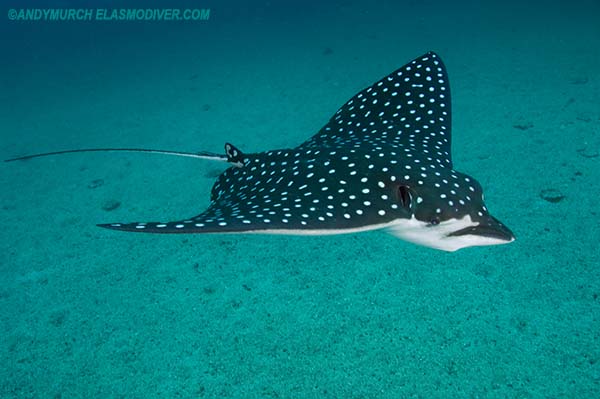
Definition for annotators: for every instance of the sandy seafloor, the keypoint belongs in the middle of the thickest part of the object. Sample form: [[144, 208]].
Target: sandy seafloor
[[93, 313]]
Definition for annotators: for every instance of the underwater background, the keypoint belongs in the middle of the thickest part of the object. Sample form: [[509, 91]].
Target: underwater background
[[92, 313]]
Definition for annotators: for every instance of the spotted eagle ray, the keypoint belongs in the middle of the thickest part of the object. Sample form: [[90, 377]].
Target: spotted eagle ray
[[383, 161]]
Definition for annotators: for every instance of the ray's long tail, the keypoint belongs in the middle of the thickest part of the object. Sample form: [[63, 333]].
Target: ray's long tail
[[199, 155]]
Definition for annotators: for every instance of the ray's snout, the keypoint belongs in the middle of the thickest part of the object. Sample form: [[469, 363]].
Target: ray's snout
[[500, 231], [490, 227]]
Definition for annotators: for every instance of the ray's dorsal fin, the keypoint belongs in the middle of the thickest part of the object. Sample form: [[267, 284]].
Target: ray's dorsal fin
[[234, 155], [199, 155]]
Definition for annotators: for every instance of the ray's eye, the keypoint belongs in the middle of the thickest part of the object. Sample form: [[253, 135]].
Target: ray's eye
[[434, 221], [404, 197]]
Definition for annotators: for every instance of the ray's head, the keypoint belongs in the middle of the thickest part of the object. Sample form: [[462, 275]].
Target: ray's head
[[448, 213]]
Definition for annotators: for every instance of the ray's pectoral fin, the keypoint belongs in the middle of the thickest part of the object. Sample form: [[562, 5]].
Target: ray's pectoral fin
[[179, 227], [210, 221], [220, 217]]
